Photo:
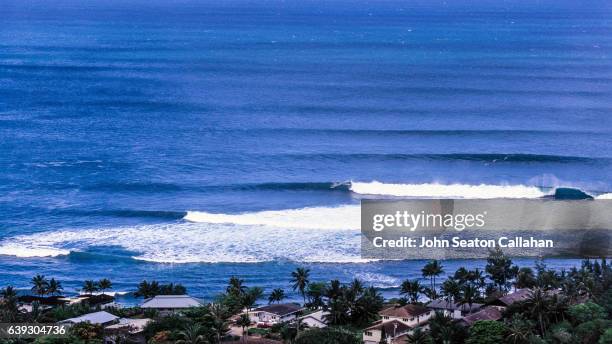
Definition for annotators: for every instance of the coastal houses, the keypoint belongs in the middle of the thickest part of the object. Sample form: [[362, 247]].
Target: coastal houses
[[487, 313], [519, 295], [315, 319], [126, 331], [385, 331], [411, 315], [170, 304], [275, 314], [397, 321], [453, 309], [97, 318]]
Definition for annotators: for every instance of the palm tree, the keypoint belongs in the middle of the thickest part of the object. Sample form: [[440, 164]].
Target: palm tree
[[418, 336], [55, 287], [356, 286], [9, 307], [300, 280], [477, 277], [8, 292], [412, 289], [469, 293], [219, 315], [525, 278], [244, 321], [39, 285], [105, 284], [431, 270], [236, 286], [250, 297], [519, 330], [441, 327], [451, 291], [90, 286], [191, 335], [461, 275], [277, 295], [538, 306], [147, 290], [334, 290]]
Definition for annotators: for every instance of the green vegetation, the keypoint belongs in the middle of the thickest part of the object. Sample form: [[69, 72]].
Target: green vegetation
[[330, 335], [562, 307], [148, 290]]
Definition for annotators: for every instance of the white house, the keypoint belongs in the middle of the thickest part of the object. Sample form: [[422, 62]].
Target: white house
[[389, 330], [452, 309], [274, 314], [96, 318], [411, 315], [316, 319], [170, 304]]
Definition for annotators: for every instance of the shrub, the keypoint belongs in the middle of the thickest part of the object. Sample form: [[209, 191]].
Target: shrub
[[606, 337], [586, 312], [327, 336], [487, 332]]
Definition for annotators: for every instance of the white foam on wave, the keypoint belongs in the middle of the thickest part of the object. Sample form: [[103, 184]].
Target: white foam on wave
[[379, 280], [604, 196], [190, 242], [434, 190], [28, 251], [343, 217]]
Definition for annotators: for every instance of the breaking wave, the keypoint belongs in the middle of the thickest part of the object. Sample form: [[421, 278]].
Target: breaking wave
[[343, 217], [322, 234], [447, 191]]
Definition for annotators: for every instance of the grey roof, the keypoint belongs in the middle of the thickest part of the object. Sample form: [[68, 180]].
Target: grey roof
[[171, 301], [280, 309], [519, 295], [318, 316], [135, 325], [93, 318], [487, 313], [442, 304]]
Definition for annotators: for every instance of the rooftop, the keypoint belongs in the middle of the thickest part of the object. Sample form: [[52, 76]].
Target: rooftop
[[487, 313], [318, 315], [517, 296], [93, 318], [407, 311], [442, 304], [280, 309], [135, 325], [171, 301], [390, 327]]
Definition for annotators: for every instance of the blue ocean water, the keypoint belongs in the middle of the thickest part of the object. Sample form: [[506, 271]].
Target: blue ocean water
[[119, 119]]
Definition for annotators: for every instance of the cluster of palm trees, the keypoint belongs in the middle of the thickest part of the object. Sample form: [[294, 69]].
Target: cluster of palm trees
[[277, 295], [42, 287], [91, 286], [150, 289], [347, 304], [238, 296], [464, 287]]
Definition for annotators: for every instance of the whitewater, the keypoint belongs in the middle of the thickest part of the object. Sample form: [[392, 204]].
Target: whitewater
[[312, 234]]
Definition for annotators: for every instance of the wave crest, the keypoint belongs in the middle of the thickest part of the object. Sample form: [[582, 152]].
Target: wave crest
[[343, 217], [482, 191]]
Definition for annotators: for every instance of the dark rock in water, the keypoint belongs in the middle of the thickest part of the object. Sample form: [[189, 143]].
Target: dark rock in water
[[569, 193]]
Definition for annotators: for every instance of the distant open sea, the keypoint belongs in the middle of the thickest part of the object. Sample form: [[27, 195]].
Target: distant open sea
[[188, 141]]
